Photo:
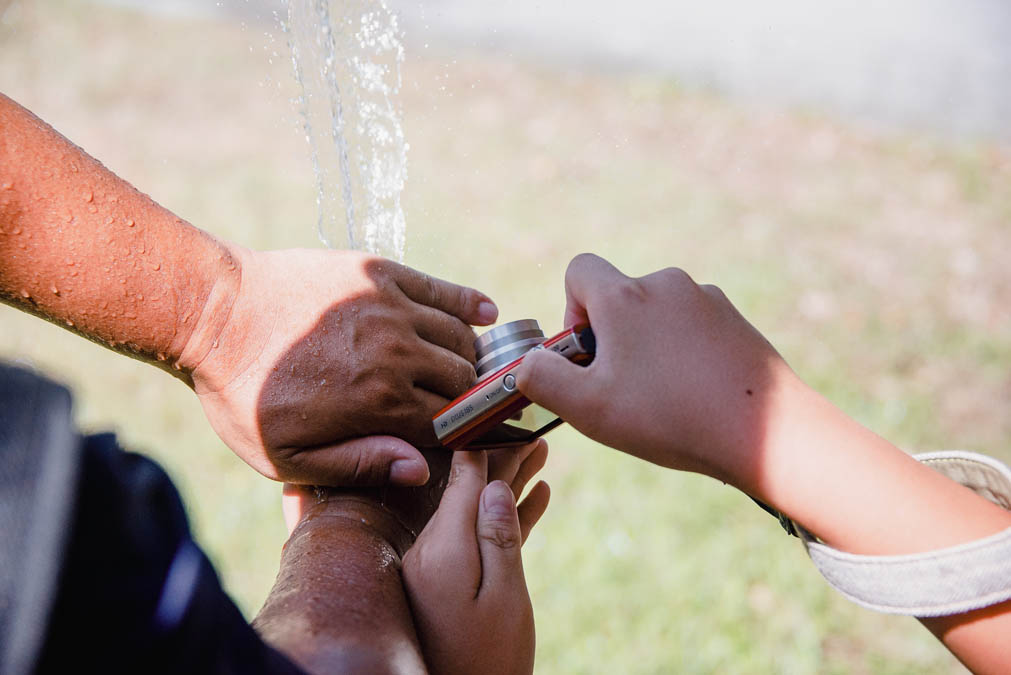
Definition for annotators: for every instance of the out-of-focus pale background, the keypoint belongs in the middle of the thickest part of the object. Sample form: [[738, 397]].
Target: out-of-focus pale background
[[842, 170]]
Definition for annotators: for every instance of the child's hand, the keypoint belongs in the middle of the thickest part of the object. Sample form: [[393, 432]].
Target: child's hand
[[680, 378], [464, 575]]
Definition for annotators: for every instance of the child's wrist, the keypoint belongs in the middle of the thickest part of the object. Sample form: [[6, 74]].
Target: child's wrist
[[756, 446]]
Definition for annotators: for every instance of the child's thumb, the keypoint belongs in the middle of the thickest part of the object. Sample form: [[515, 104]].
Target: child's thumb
[[498, 537], [552, 381]]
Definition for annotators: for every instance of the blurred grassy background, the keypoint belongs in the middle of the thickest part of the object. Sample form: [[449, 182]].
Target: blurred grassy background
[[875, 261]]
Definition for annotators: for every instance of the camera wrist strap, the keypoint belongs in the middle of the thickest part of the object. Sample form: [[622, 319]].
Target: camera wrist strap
[[951, 580]]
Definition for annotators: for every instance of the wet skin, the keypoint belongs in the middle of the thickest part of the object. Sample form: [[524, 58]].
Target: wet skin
[[351, 591], [290, 352], [338, 604]]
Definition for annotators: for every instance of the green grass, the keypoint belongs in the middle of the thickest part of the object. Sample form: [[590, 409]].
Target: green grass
[[874, 261]]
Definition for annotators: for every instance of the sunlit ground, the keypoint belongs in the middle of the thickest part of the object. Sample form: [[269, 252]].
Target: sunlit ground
[[875, 261]]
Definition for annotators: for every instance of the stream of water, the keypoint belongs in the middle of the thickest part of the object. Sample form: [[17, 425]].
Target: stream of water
[[347, 56]]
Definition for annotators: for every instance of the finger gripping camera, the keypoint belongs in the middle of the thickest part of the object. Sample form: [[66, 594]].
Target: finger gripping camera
[[493, 413]]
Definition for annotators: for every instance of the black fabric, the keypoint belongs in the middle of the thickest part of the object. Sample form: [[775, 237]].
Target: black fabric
[[134, 592]]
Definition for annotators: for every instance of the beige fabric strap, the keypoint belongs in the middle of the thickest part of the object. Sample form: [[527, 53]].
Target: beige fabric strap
[[947, 581]]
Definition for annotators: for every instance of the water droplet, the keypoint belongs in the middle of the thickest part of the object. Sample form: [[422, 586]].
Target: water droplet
[[70, 322], [140, 296], [129, 222], [303, 416], [25, 293], [161, 356], [54, 289], [215, 345], [87, 195], [157, 266], [7, 185]]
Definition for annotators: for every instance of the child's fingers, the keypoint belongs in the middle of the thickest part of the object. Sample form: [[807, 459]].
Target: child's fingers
[[505, 462], [499, 539], [532, 463], [532, 508], [457, 512]]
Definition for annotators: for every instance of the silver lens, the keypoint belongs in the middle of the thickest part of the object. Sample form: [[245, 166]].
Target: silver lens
[[506, 343]]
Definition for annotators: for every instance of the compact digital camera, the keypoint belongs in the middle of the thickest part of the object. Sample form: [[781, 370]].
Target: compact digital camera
[[493, 413]]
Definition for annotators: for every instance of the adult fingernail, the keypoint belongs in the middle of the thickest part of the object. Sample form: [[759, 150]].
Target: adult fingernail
[[409, 472], [497, 499], [487, 311]]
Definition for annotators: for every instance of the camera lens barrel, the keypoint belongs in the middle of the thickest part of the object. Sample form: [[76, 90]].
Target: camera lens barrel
[[506, 343]]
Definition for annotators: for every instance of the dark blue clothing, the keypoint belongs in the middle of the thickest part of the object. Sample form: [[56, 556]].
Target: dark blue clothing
[[98, 570]]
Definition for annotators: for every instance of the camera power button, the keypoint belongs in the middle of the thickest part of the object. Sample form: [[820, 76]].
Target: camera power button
[[509, 382]]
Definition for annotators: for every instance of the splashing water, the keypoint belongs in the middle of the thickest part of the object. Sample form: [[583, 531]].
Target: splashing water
[[349, 73]]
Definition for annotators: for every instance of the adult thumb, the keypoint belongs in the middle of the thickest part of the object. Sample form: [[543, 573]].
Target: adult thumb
[[499, 538], [553, 382], [359, 462]]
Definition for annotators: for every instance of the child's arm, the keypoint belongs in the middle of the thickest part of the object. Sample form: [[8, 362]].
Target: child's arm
[[681, 379]]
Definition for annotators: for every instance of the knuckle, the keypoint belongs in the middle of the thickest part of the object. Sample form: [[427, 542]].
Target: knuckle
[[627, 291], [464, 337], [465, 299], [714, 292], [388, 392], [580, 260], [463, 376], [671, 278], [390, 290], [366, 473], [381, 385], [502, 534], [432, 290]]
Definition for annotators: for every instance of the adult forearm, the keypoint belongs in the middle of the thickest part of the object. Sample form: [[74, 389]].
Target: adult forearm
[[84, 249], [338, 605]]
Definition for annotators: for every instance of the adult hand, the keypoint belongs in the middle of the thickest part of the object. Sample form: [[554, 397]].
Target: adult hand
[[680, 378], [464, 575], [320, 347], [289, 351]]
